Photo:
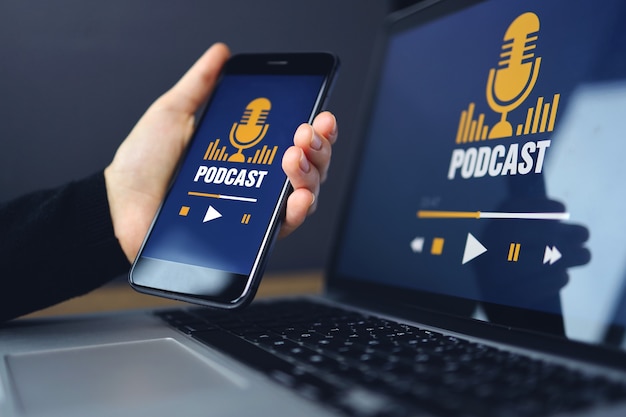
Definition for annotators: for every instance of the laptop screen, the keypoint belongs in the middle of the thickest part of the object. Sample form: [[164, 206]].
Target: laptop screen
[[492, 161]]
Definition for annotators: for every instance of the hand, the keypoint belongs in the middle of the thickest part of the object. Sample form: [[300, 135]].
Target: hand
[[306, 165], [137, 178]]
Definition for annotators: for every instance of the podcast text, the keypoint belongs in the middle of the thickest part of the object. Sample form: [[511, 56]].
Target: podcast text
[[478, 162]]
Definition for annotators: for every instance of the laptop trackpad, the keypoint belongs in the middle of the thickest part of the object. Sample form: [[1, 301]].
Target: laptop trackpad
[[159, 373]]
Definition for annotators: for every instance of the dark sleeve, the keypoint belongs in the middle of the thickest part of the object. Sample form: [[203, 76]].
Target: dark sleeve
[[55, 245]]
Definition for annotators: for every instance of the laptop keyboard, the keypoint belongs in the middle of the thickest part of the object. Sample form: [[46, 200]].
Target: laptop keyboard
[[367, 366]]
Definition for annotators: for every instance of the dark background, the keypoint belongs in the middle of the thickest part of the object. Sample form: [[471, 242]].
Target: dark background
[[76, 75]]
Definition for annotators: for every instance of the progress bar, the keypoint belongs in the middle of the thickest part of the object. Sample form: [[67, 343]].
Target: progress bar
[[438, 214], [222, 196]]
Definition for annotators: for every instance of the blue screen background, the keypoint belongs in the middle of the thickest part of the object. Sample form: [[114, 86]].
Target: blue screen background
[[226, 243], [429, 73]]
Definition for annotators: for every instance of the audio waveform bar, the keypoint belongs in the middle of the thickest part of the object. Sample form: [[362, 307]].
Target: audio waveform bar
[[471, 130], [214, 154], [542, 112], [441, 214], [222, 196], [263, 156]]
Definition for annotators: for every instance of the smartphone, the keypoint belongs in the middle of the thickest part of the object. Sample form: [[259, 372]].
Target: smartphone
[[210, 239]]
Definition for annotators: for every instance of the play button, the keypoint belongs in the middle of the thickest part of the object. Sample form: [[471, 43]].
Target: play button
[[473, 249], [211, 214]]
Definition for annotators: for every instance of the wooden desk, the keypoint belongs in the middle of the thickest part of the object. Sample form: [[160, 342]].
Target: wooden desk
[[120, 296]]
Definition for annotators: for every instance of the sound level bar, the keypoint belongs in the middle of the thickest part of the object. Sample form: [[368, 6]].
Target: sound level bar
[[539, 119], [471, 130], [263, 156], [214, 154], [222, 196], [546, 112], [437, 214]]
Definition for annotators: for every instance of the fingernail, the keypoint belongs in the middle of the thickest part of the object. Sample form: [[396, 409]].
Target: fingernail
[[335, 128], [316, 142], [312, 199], [304, 163]]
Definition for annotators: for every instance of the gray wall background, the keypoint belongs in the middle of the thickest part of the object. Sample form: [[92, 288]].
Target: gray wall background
[[76, 75]]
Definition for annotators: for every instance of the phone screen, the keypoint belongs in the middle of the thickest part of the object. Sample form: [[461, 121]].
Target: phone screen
[[217, 213]]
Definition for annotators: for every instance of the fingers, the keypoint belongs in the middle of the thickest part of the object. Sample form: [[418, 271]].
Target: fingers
[[316, 142], [298, 205], [307, 162], [302, 174], [326, 125], [193, 89], [306, 165]]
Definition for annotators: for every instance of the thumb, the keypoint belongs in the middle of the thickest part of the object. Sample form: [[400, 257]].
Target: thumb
[[198, 82]]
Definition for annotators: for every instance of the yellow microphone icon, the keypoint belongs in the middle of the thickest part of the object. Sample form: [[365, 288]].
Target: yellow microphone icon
[[251, 129], [515, 78]]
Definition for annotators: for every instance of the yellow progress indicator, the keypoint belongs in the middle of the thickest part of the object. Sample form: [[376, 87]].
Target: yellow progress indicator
[[442, 214], [222, 196], [428, 214]]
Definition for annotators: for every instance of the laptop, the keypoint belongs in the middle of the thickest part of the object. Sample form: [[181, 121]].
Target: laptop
[[479, 262]]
